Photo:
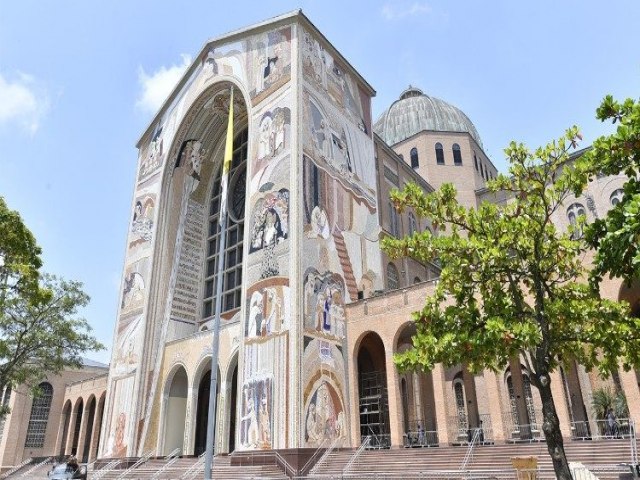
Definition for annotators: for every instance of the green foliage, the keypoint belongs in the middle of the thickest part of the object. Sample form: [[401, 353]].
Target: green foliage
[[616, 237], [42, 333], [511, 280], [606, 398], [19, 255]]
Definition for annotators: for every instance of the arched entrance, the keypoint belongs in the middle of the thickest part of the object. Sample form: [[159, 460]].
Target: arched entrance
[[66, 421], [418, 400], [464, 418], [175, 412], [578, 417], [89, 429], [77, 419], [372, 391], [232, 407], [202, 410]]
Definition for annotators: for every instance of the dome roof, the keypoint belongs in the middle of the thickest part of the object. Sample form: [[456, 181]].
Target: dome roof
[[415, 111]]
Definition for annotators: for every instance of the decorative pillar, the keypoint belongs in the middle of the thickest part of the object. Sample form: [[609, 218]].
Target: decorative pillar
[[97, 428], [521, 403]]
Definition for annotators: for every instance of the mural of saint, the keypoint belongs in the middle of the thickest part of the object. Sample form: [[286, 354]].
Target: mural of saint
[[324, 296], [142, 223], [270, 224], [267, 311], [271, 62], [255, 422], [133, 291], [325, 418], [155, 154]]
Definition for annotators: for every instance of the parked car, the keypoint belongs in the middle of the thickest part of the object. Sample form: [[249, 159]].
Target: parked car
[[67, 471]]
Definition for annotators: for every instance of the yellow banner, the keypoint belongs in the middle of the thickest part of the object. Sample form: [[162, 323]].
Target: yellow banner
[[228, 149]]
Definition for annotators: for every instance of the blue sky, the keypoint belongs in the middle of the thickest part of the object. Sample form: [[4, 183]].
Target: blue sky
[[80, 80]]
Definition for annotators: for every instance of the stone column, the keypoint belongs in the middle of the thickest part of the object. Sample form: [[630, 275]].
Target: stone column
[[393, 396], [440, 394], [97, 430], [560, 401], [64, 417], [631, 390], [495, 405]]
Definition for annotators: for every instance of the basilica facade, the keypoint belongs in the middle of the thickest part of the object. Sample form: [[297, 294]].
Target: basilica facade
[[312, 310]]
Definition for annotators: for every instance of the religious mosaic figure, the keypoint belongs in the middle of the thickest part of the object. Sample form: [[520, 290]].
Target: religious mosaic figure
[[270, 220], [324, 296], [325, 416]]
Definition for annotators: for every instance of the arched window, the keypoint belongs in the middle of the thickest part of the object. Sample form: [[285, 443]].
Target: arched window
[[457, 155], [416, 280], [574, 211], [414, 158], [475, 161], [394, 223], [461, 405], [616, 197], [439, 154], [232, 274], [393, 279], [39, 417], [413, 224]]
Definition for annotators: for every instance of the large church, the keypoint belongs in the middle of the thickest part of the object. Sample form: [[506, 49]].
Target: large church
[[312, 311]]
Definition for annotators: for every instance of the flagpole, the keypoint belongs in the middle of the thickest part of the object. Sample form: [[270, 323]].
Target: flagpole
[[211, 420]]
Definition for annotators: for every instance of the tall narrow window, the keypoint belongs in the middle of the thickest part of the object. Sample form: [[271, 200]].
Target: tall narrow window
[[461, 407], [393, 278], [413, 224], [457, 155], [232, 273], [475, 161], [394, 224], [39, 416], [439, 154], [414, 158]]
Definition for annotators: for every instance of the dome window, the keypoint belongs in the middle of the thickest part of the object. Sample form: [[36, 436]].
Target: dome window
[[439, 154], [457, 155], [414, 158], [616, 197]]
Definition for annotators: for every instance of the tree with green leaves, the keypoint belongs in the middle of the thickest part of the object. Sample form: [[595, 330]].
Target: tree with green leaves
[[40, 331], [616, 237], [512, 282], [19, 255]]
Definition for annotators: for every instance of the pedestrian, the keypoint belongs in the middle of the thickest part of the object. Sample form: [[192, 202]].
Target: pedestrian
[[420, 435]]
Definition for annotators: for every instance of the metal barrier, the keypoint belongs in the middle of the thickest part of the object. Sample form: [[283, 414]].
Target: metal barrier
[[357, 453], [469, 455], [16, 468], [143, 459], [37, 465], [420, 438], [171, 459], [107, 468], [602, 429], [193, 470]]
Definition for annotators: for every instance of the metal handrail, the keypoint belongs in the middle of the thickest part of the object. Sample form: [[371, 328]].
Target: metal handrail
[[324, 456], [312, 457], [16, 468], [360, 449], [143, 459], [107, 468], [36, 466], [191, 471], [171, 459], [469, 455], [632, 441], [291, 472]]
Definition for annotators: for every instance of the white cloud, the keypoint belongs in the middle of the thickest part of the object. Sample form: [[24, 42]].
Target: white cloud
[[398, 10], [157, 86], [23, 101]]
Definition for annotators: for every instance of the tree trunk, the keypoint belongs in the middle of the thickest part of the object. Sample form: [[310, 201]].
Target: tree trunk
[[551, 429]]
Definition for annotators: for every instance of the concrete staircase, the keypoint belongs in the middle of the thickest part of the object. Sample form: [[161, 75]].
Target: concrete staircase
[[409, 463], [222, 469]]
